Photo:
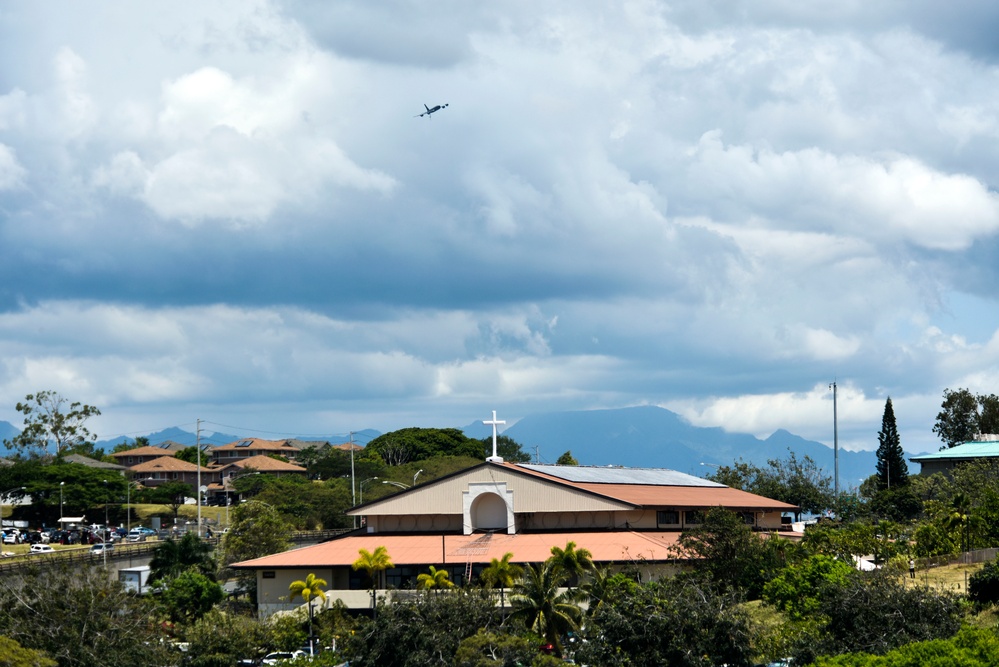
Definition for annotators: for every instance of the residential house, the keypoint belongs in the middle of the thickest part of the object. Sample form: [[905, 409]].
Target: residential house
[[254, 464], [170, 469], [249, 447]]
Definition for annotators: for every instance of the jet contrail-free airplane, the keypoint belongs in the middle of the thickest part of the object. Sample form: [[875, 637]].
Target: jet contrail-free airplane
[[430, 110]]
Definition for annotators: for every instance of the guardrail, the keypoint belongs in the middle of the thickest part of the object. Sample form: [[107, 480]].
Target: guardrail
[[124, 550], [77, 555]]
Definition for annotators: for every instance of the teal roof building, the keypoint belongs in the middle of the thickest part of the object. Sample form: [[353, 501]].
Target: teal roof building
[[947, 459]]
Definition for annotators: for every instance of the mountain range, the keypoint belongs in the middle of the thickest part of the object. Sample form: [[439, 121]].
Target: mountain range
[[645, 436]]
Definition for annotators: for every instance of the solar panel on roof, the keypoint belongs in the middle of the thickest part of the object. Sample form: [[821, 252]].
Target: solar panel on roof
[[617, 475], [244, 443]]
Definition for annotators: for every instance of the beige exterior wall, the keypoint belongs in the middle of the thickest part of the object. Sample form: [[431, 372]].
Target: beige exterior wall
[[530, 495]]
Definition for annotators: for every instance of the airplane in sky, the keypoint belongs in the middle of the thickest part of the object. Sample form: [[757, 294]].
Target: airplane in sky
[[430, 111]]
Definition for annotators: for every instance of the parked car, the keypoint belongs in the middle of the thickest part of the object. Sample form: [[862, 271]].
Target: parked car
[[143, 530], [279, 657], [136, 537], [102, 547], [41, 549], [11, 536]]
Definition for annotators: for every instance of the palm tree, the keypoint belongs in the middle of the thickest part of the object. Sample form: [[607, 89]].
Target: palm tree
[[574, 562], [959, 516], [437, 579], [173, 557], [312, 587], [501, 572], [373, 563], [543, 609], [602, 587]]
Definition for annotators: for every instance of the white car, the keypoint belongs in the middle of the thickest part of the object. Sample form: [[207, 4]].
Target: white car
[[279, 657], [41, 549], [102, 547]]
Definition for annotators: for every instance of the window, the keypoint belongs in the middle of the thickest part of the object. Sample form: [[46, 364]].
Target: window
[[749, 518], [693, 517], [268, 574], [668, 518]]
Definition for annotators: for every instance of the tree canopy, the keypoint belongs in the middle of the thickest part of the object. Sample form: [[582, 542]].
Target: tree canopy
[[963, 416], [50, 419], [891, 467]]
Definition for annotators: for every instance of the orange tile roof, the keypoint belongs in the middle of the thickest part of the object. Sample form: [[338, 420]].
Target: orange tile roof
[[147, 450], [606, 546], [167, 464], [257, 443], [265, 464]]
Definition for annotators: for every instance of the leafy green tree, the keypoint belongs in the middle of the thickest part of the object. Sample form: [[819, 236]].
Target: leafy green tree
[[676, 621], [970, 647], [173, 494], [373, 563], [220, 639], [13, 654], [875, 612], [80, 616], [540, 605], [311, 587], [799, 482], [502, 573], [506, 447], [190, 595], [174, 557], [435, 579], [961, 519], [256, 530], [567, 459], [491, 649], [983, 586], [190, 454], [958, 420], [302, 503], [606, 587], [727, 552], [415, 444], [798, 588], [51, 419], [419, 632], [891, 467]]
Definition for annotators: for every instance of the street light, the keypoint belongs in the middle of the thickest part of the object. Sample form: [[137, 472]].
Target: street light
[[417, 475], [399, 484], [61, 513], [360, 488], [105, 535]]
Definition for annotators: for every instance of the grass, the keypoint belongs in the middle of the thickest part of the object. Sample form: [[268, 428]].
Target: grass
[[953, 578]]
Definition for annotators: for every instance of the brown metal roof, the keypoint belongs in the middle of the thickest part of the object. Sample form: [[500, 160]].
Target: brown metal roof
[[686, 496], [258, 443], [606, 546], [147, 450], [264, 464], [167, 463]]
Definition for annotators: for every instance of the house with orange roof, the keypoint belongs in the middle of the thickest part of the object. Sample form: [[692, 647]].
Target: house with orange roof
[[132, 457], [224, 475], [249, 447], [170, 469], [460, 522]]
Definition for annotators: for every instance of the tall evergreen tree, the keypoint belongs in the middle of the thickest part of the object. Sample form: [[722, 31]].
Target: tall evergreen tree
[[891, 467]]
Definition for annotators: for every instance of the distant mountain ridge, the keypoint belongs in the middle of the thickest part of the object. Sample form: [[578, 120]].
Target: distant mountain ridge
[[654, 437]]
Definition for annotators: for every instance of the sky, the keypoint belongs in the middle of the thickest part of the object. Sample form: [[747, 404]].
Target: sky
[[231, 211]]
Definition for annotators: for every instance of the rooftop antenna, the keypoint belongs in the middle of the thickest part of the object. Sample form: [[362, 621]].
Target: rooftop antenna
[[495, 458], [835, 446]]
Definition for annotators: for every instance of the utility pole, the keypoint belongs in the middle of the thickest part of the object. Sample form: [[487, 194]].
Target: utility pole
[[197, 439], [353, 491], [835, 447]]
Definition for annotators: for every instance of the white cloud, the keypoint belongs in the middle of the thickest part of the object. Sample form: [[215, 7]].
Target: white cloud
[[12, 174]]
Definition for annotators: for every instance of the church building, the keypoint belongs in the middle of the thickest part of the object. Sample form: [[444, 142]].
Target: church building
[[460, 522]]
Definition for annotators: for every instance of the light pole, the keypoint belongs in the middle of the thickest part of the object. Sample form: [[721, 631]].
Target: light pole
[[417, 475], [360, 488], [105, 536], [61, 513], [399, 484]]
